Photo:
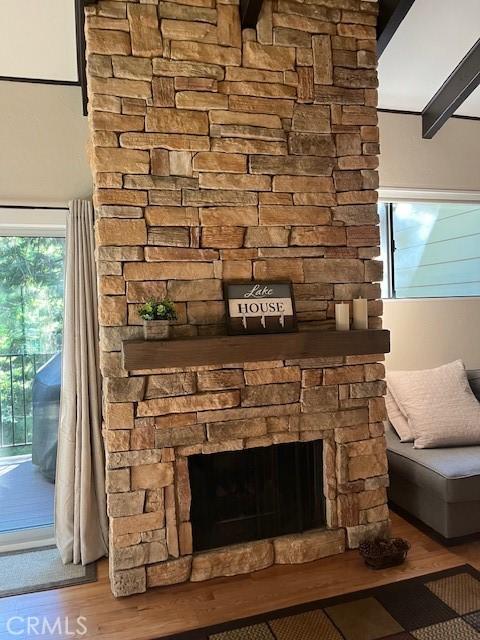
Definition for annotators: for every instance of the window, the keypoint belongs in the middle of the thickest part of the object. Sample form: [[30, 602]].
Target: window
[[430, 249], [32, 253]]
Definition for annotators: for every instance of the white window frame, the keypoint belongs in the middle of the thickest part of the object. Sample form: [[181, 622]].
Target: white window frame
[[396, 194], [32, 221], [389, 195]]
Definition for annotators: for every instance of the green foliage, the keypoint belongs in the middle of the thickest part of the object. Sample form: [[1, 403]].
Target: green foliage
[[31, 320], [31, 294], [158, 310]]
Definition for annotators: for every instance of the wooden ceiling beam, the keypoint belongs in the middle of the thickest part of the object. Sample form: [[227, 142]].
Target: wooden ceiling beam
[[390, 16], [249, 12], [80, 36], [454, 91]]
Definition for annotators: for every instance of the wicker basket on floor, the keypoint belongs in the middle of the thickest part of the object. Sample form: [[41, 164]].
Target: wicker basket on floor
[[382, 553]]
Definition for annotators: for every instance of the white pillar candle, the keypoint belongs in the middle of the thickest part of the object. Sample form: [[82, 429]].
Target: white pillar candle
[[342, 317], [360, 313]]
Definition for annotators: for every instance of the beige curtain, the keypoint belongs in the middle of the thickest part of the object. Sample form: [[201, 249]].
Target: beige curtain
[[81, 527]]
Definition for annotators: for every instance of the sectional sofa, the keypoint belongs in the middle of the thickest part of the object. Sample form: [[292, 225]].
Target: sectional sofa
[[440, 487]]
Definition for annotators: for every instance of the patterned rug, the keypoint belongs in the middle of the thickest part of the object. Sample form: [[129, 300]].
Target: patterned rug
[[439, 606]]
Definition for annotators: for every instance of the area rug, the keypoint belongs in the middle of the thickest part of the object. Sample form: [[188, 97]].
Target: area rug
[[40, 570], [437, 606]]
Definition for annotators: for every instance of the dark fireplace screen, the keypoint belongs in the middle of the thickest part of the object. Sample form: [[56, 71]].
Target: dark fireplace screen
[[238, 496]]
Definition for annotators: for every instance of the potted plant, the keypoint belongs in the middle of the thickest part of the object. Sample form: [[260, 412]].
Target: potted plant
[[157, 316]]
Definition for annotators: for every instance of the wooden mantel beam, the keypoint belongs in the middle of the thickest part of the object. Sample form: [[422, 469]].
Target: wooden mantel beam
[[189, 352]]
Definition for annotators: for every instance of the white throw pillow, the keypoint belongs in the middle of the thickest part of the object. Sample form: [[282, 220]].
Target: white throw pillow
[[397, 419], [439, 405]]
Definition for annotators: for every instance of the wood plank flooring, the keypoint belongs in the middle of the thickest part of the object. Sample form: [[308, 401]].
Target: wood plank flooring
[[171, 610]]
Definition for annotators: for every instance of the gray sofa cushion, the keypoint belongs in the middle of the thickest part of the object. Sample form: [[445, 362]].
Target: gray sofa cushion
[[453, 474], [474, 380]]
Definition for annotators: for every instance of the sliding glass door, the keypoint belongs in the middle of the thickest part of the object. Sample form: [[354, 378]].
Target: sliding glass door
[[31, 321]]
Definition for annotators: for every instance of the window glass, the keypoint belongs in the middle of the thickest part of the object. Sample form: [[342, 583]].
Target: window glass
[[436, 248], [31, 300]]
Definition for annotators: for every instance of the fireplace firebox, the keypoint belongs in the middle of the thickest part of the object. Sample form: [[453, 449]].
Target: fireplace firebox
[[240, 496]]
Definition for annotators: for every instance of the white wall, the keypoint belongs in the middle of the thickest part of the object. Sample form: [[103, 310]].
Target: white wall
[[427, 333], [43, 138], [449, 161], [37, 39]]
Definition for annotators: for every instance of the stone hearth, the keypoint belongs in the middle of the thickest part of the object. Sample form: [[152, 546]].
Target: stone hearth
[[221, 154]]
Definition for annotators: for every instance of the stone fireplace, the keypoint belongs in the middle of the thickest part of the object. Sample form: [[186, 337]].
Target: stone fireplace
[[220, 154]]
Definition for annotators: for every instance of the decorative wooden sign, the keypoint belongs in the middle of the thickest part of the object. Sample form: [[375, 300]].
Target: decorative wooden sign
[[260, 307]]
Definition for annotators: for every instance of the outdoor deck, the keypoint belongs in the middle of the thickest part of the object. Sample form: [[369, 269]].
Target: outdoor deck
[[26, 497]]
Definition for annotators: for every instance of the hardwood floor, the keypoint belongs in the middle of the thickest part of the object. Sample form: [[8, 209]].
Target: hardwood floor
[[171, 610]]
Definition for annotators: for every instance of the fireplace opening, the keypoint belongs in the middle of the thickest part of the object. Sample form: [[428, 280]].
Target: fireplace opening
[[239, 496]]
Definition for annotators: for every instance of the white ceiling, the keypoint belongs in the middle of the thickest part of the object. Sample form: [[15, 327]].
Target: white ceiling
[[37, 39], [430, 42], [471, 106]]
